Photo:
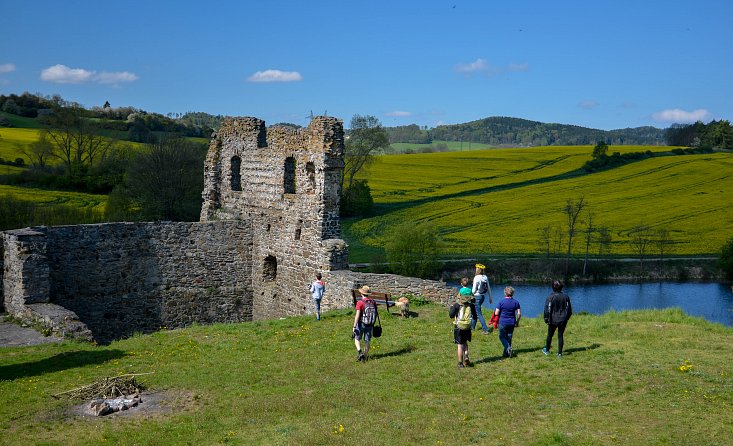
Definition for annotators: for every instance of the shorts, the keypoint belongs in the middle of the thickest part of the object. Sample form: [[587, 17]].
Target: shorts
[[365, 331], [461, 336]]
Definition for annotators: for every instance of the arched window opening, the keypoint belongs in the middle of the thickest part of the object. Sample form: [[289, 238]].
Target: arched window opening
[[269, 269], [236, 173], [310, 171], [289, 179]]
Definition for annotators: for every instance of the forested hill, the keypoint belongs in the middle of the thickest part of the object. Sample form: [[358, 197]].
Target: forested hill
[[503, 131]]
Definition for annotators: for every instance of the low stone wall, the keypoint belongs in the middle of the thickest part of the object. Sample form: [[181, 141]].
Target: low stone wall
[[340, 284], [122, 278]]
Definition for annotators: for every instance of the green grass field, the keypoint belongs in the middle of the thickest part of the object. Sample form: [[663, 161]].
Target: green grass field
[[497, 201], [632, 378], [48, 197]]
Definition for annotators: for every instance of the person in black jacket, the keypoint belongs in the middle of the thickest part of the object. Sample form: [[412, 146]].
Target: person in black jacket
[[557, 313]]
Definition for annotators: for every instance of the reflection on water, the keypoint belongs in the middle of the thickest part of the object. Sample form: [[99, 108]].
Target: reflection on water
[[712, 301]]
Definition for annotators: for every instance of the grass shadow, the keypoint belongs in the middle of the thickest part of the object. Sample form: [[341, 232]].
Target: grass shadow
[[570, 351], [538, 349], [61, 361], [402, 351], [410, 315]]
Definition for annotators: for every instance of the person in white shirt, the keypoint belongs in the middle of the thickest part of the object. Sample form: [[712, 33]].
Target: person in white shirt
[[481, 289]]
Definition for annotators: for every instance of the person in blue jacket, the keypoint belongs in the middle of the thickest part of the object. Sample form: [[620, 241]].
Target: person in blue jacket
[[509, 313]]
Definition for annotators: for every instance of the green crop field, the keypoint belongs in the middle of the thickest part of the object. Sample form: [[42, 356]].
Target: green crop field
[[453, 146], [12, 138], [498, 201]]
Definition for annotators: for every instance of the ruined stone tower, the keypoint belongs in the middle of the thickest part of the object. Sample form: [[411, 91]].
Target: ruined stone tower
[[286, 182], [269, 223]]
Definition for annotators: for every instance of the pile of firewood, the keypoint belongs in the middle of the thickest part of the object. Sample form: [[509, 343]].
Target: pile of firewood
[[106, 388]]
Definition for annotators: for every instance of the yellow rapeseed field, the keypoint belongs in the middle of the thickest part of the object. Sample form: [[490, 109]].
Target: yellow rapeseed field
[[498, 201]]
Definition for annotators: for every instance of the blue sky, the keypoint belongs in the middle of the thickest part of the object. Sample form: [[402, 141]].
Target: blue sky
[[603, 64]]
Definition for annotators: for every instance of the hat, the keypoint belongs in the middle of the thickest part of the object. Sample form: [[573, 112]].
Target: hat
[[480, 266], [465, 295], [365, 290]]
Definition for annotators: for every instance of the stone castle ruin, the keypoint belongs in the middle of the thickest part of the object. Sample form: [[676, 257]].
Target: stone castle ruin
[[269, 222]]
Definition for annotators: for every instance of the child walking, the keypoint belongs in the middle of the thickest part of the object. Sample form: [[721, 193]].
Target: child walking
[[317, 288], [463, 312]]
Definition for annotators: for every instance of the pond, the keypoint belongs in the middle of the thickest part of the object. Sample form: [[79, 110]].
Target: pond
[[712, 301]]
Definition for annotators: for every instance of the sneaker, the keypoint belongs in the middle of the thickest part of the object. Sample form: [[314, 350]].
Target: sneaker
[[460, 365], [510, 351], [545, 351], [486, 332], [559, 355], [360, 357], [467, 362]]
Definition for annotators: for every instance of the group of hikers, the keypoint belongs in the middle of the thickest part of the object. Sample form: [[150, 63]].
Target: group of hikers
[[467, 313]]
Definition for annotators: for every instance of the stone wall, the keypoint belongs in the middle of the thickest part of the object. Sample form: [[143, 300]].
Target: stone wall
[[122, 278], [269, 223], [340, 284]]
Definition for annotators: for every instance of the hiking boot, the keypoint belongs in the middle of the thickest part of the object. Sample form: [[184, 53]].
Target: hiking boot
[[545, 351]]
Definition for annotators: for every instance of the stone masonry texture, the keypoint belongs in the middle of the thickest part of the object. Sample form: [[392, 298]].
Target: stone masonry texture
[[269, 222]]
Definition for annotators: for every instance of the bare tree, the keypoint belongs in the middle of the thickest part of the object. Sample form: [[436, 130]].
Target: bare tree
[[544, 240], [572, 212], [604, 241], [640, 237], [38, 152], [73, 139], [589, 230]]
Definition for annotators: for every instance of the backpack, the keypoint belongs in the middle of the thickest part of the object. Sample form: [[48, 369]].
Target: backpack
[[483, 286], [369, 313], [463, 318]]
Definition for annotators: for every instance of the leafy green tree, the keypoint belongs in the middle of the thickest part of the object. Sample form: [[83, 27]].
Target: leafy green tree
[[356, 200], [413, 250], [726, 258], [600, 149], [365, 136], [163, 182]]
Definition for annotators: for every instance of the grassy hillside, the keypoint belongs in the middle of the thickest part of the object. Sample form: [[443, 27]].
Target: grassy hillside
[[497, 201], [12, 138], [638, 378]]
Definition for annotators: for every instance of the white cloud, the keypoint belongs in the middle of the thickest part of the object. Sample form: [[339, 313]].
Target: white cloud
[[398, 114], [7, 68], [475, 66], [680, 116], [61, 74], [275, 76], [115, 78], [483, 66], [588, 105]]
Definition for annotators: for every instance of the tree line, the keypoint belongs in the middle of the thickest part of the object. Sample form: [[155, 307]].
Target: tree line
[[714, 135], [505, 131]]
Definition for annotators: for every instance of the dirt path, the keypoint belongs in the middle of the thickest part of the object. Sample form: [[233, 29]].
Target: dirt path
[[13, 335]]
